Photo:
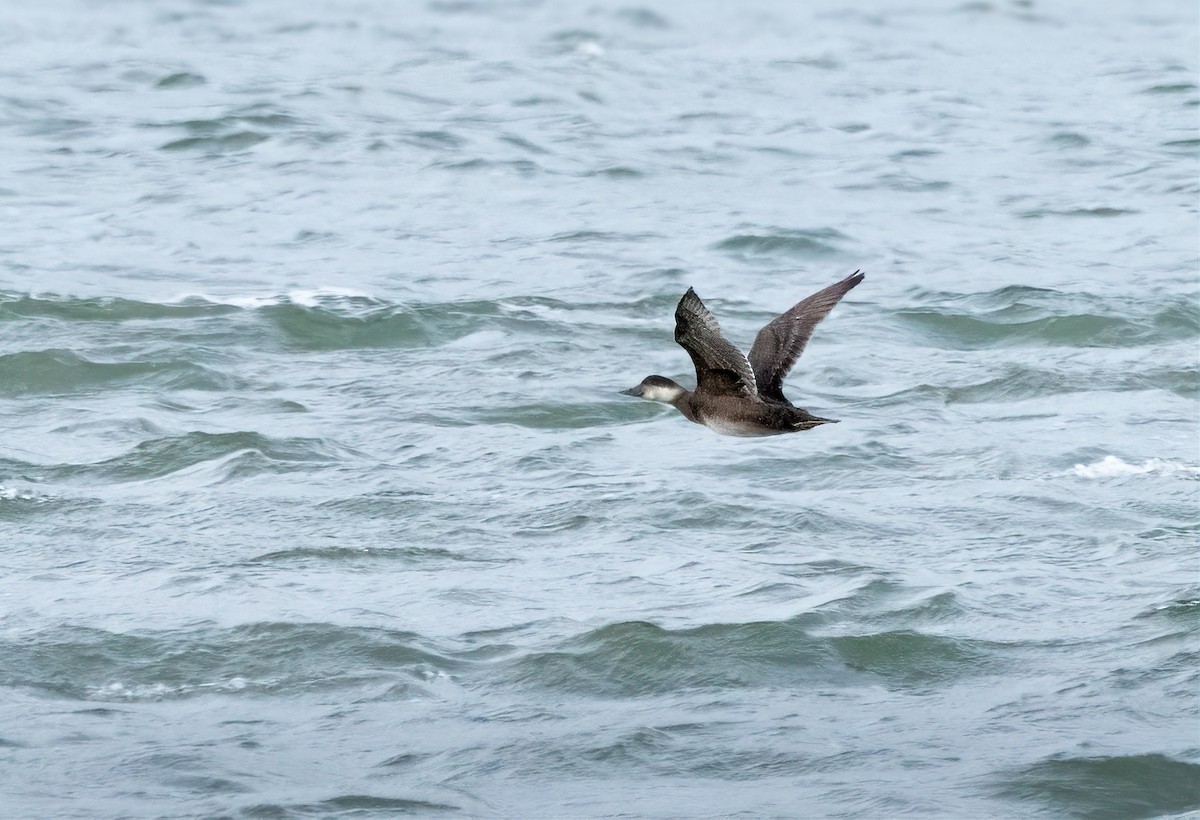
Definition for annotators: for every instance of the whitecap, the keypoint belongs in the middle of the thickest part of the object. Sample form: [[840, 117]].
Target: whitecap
[[1111, 466], [305, 298], [13, 494], [119, 691], [312, 298]]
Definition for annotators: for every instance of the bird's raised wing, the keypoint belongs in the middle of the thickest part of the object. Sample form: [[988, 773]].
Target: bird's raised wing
[[720, 366], [780, 343]]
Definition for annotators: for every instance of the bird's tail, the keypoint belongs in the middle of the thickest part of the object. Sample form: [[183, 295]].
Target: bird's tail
[[804, 420]]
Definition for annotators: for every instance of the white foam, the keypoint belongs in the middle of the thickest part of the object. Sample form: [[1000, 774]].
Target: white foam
[[311, 298], [11, 494], [1111, 466], [160, 691], [119, 691], [247, 302], [304, 298]]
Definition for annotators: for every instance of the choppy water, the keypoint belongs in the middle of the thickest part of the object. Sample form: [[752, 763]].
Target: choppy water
[[317, 497]]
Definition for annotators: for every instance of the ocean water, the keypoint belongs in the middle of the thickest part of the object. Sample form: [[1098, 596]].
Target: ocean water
[[318, 497]]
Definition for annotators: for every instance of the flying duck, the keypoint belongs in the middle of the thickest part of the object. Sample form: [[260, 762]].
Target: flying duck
[[738, 395]]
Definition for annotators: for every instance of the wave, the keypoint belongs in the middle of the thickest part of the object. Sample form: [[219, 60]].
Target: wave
[[97, 665], [640, 658], [626, 658], [353, 805], [1113, 467], [1146, 785], [434, 556], [1012, 382], [1022, 315], [236, 453], [310, 298], [317, 319], [13, 494], [17, 307], [242, 127], [182, 305], [969, 332], [58, 371], [818, 243]]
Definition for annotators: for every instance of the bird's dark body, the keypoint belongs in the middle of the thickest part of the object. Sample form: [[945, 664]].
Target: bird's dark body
[[738, 395], [734, 416]]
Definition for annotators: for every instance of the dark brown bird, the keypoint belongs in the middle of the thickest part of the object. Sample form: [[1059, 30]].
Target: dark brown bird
[[738, 395]]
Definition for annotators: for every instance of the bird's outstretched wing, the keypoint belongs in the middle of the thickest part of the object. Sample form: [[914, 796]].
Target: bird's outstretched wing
[[780, 343], [720, 366]]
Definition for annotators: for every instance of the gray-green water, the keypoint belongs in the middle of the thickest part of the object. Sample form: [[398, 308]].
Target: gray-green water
[[317, 497]]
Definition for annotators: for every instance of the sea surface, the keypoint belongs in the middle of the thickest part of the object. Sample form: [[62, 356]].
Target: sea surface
[[318, 497]]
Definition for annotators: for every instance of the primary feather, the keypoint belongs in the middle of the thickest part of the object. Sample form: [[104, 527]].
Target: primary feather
[[720, 367], [780, 343]]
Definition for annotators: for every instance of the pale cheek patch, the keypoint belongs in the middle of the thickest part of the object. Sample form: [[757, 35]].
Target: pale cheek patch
[[663, 394]]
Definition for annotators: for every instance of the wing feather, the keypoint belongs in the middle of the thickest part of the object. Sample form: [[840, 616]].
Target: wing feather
[[780, 343], [720, 366]]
